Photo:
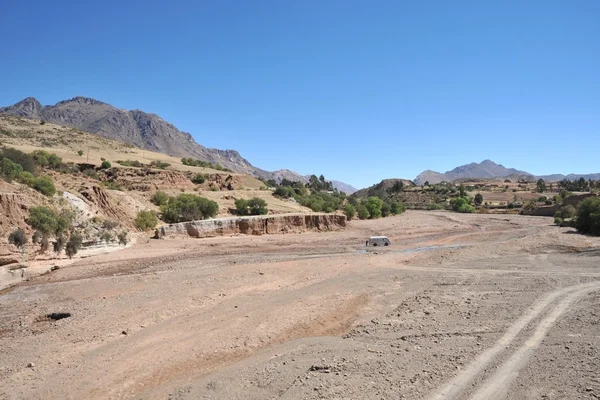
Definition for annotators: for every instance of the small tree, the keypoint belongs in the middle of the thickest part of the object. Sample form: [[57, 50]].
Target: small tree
[[105, 164], [540, 186], [44, 244], [588, 216], [478, 200], [59, 244], [73, 245], [188, 207], [43, 219], [254, 206], [18, 237], [461, 205], [374, 205], [385, 210], [80, 153], [397, 207], [362, 212], [146, 219], [350, 211], [257, 206]]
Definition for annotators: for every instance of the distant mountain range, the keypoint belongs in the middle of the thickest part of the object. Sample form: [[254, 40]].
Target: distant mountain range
[[488, 169], [144, 130]]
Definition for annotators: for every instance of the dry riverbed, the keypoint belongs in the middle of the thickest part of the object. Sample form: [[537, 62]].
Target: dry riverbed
[[459, 307]]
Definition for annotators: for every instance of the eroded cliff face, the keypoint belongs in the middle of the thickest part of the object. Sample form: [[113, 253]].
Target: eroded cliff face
[[257, 225]]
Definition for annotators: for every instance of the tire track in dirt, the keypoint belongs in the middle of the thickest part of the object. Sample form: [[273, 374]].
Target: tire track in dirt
[[454, 388], [497, 385]]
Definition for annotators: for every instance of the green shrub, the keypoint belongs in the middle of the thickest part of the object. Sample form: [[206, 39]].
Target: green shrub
[[26, 161], [80, 153], [159, 164], [558, 220], [284, 191], [64, 221], [48, 221], [397, 207], [588, 216], [254, 206], [204, 164], [26, 178], [73, 245], [188, 207], [112, 185], [45, 159], [159, 198], [146, 219], [434, 206], [18, 238], [198, 179], [362, 212], [9, 170], [105, 165], [349, 211], [385, 210], [130, 163], [44, 185], [43, 219], [566, 212], [91, 173], [466, 208], [461, 205]]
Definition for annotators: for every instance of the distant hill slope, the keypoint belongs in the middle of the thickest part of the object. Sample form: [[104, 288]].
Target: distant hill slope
[[344, 187], [147, 131], [488, 169], [141, 129]]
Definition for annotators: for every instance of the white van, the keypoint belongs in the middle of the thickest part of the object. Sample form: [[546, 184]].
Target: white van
[[378, 241]]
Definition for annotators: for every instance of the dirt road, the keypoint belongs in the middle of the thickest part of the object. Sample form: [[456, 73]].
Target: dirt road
[[459, 307]]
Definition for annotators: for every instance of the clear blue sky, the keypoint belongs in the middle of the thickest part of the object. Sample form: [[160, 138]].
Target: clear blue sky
[[356, 90]]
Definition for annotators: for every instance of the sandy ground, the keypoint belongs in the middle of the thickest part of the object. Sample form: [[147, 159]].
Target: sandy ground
[[459, 307]]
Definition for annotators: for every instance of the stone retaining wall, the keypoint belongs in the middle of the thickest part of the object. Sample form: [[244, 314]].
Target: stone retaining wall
[[255, 225]]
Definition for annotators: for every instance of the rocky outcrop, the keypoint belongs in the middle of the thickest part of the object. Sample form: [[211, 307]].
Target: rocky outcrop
[[256, 225]]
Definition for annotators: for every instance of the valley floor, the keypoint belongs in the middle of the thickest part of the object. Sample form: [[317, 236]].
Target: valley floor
[[459, 307]]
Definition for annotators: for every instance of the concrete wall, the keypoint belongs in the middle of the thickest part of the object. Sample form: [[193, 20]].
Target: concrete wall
[[256, 225]]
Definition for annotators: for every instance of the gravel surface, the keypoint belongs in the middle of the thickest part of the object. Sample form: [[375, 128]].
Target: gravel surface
[[459, 307]]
